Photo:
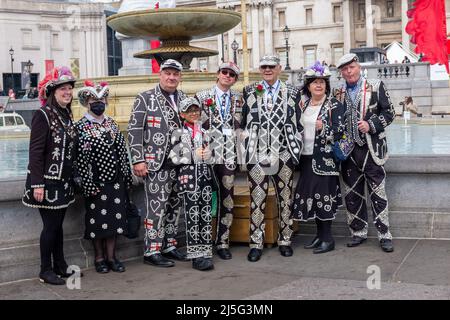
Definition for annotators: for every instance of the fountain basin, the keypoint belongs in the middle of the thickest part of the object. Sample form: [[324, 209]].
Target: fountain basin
[[174, 23]]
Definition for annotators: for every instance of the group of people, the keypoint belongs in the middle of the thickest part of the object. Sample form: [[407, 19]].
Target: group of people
[[187, 148]]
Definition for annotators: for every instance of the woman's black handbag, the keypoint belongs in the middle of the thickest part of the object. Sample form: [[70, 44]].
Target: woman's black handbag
[[133, 220]]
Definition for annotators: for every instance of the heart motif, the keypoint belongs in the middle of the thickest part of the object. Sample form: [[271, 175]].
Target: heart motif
[[154, 205], [228, 181]]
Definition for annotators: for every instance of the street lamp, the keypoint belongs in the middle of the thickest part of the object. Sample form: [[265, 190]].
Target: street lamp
[[11, 53], [234, 46], [286, 33]]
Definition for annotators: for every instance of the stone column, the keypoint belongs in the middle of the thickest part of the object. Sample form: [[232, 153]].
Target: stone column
[[369, 24], [347, 24], [405, 36], [268, 27], [255, 33], [220, 45], [231, 37], [132, 65]]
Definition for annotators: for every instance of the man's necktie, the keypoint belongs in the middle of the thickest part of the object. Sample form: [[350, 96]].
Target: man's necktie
[[174, 104]]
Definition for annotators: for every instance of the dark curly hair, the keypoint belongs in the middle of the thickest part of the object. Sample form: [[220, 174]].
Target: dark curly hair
[[308, 81]]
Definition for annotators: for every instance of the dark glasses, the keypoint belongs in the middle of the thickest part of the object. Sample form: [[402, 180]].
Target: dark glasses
[[267, 67], [227, 72]]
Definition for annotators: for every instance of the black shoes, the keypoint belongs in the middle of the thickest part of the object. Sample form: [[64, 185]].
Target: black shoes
[[158, 260], [202, 264], [101, 266], [314, 244], [254, 255], [62, 271], [286, 251], [224, 253], [50, 277], [356, 241], [176, 255], [386, 245], [324, 247], [115, 265]]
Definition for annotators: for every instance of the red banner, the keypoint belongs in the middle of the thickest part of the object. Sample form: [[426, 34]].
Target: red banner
[[49, 65], [155, 66], [428, 30]]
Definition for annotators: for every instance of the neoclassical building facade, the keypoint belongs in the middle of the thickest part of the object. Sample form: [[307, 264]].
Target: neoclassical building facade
[[58, 31], [320, 29]]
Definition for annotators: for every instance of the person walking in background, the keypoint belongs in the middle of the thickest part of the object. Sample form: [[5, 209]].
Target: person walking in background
[[104, 168], [49, 186], [317, 195]]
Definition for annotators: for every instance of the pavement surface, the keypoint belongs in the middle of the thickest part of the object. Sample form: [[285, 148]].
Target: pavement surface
[[417, 269]]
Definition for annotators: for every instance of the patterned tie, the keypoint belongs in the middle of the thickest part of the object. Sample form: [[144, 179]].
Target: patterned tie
[[174, 104], [270, 98], [223, 102]]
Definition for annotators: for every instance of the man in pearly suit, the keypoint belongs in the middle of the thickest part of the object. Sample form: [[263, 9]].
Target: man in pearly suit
[[221, 111], [272, 142], [154, 117]]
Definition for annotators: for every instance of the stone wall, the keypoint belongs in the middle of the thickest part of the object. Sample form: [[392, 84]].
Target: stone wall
[[417, 188], [401, 80]]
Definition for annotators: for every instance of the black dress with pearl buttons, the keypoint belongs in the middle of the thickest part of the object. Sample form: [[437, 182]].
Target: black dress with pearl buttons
[[318, 194], [104, 168]]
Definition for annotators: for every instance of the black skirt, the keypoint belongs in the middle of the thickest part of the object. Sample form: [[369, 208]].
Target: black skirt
[[106, 211], [315, 196], [58, 194]]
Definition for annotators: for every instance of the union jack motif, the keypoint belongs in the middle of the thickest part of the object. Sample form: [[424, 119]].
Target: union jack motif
[[172, 242], [184, 179], [155, 246], [148, 223], [154, 121], [150, 157]]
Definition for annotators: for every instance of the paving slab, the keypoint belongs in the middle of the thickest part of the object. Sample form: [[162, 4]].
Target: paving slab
[[417, 269]]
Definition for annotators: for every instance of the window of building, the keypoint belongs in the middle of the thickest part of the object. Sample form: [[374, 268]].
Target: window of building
[[337, 51], [55, 40], [361, 11], [114, 50], [1, 121], [203, 65], [390, 8], [27, 37], [337, 13], [310, 55], [281, 18], [281, 53], [309, 16]]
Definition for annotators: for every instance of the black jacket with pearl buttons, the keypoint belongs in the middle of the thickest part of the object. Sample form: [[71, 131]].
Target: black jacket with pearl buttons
[[323, 162]]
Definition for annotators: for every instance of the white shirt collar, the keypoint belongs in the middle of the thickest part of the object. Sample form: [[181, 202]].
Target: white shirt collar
[[220, 92], [91, 118]]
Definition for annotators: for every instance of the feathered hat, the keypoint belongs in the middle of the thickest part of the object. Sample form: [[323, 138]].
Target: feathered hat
[[92, 90], [317, 71], [57, 77]]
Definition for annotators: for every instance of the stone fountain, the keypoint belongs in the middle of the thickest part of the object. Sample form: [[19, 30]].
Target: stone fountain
[[174, 27]]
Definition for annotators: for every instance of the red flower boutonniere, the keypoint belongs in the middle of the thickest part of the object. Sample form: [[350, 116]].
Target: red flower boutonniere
[[259, 89], [210, 103]]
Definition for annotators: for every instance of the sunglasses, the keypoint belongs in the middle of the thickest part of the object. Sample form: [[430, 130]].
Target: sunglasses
[[267, 67], [229, 73]]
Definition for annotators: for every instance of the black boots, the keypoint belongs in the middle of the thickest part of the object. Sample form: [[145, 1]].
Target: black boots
[[202, 264], [224, 253], [254, 255]]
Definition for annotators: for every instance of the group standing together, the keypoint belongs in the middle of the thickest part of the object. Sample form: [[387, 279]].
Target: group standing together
[[188, 148]]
